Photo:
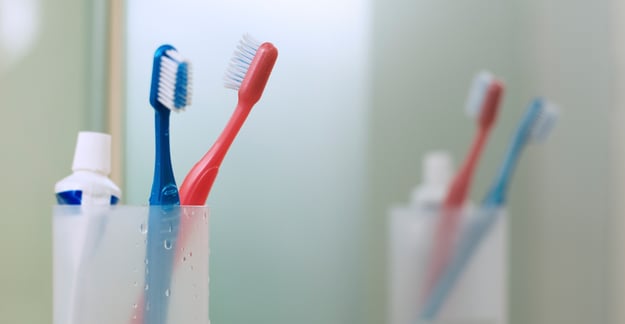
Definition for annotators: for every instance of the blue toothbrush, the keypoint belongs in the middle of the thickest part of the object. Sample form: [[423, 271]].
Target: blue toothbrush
[[535, 126], [170, 90]]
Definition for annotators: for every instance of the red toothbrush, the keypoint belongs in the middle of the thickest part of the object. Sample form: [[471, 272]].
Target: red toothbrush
[[484, 100], [248, 73]]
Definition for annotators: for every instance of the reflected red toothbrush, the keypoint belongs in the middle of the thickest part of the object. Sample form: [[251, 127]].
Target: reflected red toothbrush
[[484, 101]]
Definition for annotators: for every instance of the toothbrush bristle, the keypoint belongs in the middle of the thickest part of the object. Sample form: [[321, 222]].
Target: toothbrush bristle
[[544, 122], [174, 83], [240, 62], [478, 92]]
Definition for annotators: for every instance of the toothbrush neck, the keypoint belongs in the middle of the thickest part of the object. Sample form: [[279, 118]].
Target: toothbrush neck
[[164, 190], [507, 169], [460, 186], [222, 144]]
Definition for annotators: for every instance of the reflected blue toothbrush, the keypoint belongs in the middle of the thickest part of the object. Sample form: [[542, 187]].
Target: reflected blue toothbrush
[[534, 127], [170, 90]]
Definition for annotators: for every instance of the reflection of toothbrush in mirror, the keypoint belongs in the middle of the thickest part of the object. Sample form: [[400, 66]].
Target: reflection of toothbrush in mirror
[[248, 73], [534, 127], [483, 103], [170, 90]]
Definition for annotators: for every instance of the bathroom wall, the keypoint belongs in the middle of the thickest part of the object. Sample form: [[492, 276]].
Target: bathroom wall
[[568, 239], [616, 241], [46, 76]]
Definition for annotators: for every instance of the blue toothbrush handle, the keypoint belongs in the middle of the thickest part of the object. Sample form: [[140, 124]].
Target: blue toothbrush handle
[[466, 248], [163, 223], [164, 190]]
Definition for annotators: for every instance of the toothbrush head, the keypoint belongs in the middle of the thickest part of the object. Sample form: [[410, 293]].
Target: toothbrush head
[[171, 80], [484, 98], [543, 118], [250, 68]]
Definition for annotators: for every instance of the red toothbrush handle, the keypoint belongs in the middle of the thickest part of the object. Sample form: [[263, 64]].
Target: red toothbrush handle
[[449, 221], [193, 192], [446, 230], [196, 186], [186, 227]]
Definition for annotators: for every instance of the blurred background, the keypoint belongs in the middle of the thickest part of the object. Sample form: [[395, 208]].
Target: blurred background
[[362, 89]]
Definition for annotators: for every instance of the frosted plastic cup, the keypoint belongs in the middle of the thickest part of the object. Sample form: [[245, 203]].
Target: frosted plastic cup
[[100, 268], [480, 294]]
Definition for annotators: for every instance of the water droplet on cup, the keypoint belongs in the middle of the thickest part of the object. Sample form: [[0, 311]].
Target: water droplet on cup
[[167, 244]]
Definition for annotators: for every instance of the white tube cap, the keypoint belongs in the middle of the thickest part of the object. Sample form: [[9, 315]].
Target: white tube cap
[[93, 152], [437, 173], [437, 168]]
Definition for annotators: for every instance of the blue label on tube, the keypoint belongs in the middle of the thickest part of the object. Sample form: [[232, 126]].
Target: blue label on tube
[[74, 197]]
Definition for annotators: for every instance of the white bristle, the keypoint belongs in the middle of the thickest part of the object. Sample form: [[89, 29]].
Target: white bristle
[[168, 80], [240, 62], [544, 122], [477, 93], [190, 83]]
